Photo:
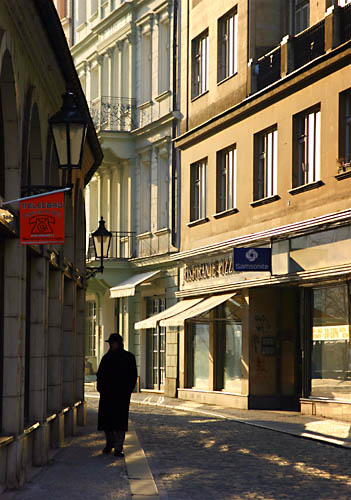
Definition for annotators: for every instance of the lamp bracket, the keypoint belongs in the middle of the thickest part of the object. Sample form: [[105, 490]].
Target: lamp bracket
[[92, 271]]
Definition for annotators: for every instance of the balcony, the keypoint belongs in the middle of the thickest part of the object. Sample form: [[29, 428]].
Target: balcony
[[296, 51], [114, 114], [122, 246]]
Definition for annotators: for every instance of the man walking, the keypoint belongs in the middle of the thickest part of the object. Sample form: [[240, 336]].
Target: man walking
[[116, 378]]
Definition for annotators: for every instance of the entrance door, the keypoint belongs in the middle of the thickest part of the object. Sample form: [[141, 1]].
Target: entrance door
[[288, 349], [156, 347]]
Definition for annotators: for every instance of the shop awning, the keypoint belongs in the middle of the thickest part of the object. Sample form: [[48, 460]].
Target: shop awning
[[177, 308], [127, 287], [200, 308]]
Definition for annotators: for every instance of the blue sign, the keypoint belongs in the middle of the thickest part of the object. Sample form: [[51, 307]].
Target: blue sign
[[252, 259]]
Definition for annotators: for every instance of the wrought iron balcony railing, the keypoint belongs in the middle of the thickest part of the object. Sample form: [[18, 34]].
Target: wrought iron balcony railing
[[269, 68], [122, 246], [309, 44], [117, 114], [345, 24]]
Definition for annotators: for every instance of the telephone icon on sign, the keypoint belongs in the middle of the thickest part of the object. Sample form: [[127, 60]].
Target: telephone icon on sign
[[42, 224]]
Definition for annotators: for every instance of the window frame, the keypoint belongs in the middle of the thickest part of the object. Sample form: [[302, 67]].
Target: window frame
[[266, 163], [307, 147], [200, 64], [227, 44], [198, 194]]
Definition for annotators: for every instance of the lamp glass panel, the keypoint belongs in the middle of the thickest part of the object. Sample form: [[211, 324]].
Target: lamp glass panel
[[59, 131], [102, 244], [76, 132]]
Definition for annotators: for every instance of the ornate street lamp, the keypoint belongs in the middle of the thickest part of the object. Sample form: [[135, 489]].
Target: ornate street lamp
[[101, 240], [68, 128]]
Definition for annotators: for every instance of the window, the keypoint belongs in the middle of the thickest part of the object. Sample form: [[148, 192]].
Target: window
[[163, 189], [163, 57], [301, 15], [198, 190], [227, 45], [265, 170], [90, 346], [226, 179], [200, 64], [146, 63], [156, 346], [345, 128], [306, 147]]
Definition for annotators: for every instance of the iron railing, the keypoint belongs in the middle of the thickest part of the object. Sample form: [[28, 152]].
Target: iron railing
[[268, 68], [309, 44], [122, 246], [345, 24], [113, 113]]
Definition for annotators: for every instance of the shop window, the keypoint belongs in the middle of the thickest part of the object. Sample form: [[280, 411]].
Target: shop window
[[227, 45], [226, 179], [331, 352], [345, 130], [265, 167], [2, 155], [200, 64], [306, 162], [2, 284], [156, 347], [214, 342], [198, 190]]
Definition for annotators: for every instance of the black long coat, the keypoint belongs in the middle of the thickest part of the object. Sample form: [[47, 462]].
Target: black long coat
[[116, 378]]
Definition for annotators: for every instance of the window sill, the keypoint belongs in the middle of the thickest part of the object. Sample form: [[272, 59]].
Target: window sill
[[145, 235], [163, 95], [305, 187], [198, 222], [343, 174], [264, 201], [226, 78], [198, 96], [81, 26], [230, 211], [164, 230], [144, 105]]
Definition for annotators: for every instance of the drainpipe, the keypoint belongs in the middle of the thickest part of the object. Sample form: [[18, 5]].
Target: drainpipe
[[175, 172]]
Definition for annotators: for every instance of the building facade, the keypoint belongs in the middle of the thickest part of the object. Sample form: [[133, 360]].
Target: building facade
[[126, 57], [265, 164], [42, 288]]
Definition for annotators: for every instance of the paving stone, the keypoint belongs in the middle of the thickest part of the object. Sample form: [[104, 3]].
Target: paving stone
[[197, 457]]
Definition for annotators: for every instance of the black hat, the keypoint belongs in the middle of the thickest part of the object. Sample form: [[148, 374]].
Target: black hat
[[115, 337]]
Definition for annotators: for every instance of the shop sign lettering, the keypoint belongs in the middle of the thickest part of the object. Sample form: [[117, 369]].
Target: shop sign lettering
[[337, 332], [208, 270]]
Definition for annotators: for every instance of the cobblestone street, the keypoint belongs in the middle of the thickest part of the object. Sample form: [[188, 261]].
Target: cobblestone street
[[194, 457]]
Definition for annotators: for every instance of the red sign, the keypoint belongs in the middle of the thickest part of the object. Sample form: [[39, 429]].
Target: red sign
[[42, 219]]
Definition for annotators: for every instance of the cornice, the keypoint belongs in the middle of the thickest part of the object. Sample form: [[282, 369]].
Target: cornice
[[294, 229]]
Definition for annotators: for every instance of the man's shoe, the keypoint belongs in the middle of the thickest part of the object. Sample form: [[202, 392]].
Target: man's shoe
[[107, 450], [119, 454]]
